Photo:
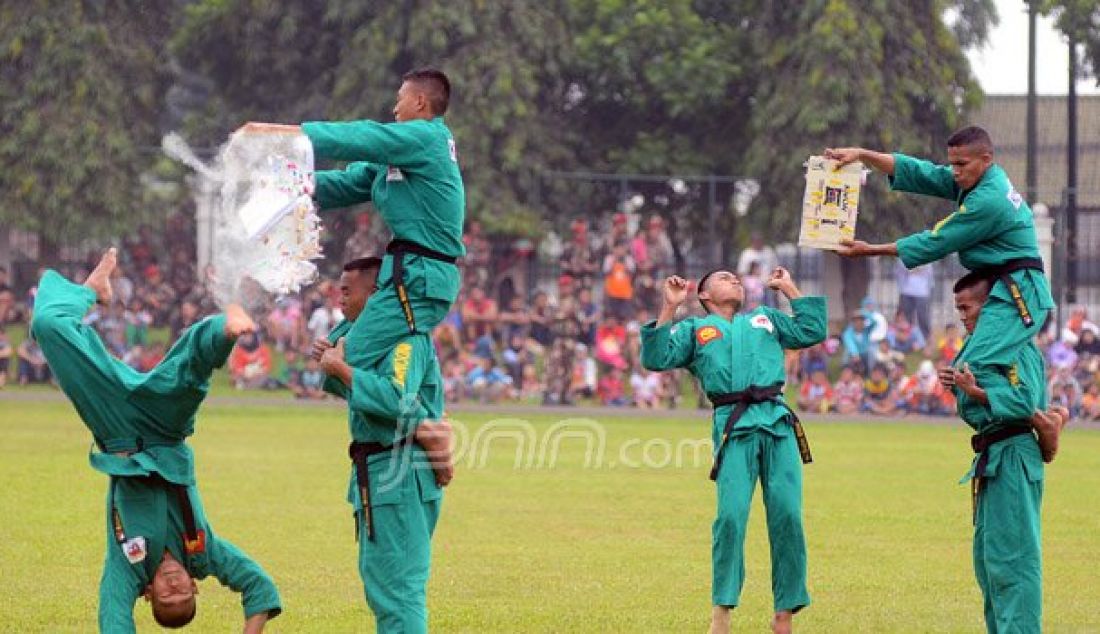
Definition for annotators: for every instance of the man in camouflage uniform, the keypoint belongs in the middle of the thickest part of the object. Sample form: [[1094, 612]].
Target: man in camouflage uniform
[[566, 329]]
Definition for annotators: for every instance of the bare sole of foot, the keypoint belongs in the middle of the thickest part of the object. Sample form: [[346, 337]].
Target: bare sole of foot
[[237, 322], [1048, 425], [99, 280], [782, 623]]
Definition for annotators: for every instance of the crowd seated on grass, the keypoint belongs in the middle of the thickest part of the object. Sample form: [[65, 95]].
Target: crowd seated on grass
[[591, 312]]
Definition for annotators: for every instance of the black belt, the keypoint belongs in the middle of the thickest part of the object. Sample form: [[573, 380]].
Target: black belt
[[1004, 273], [359, 452], [194, 539], [741, 401], [398, 249], [981, 443]]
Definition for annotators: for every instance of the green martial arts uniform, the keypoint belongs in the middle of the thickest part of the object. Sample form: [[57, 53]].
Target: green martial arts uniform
[[1009, 485], [728, 357], [385, 404], [992, 226], [147, 416], [409, 170]]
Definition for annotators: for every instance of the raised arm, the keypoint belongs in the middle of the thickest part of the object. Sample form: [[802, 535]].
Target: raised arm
[[400, 144], [666, 346], [808, 325], [879, 161]]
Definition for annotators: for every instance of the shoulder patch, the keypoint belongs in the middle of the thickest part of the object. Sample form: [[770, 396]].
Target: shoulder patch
[[1014, 197], [762, 321], [453, 150], [401, 356], [394, 174], [707, 334]]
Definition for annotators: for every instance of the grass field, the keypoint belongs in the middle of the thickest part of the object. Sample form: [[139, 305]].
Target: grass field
[[557, 546]]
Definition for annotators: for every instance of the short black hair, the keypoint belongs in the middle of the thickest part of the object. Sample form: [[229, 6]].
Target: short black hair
[[703, 285], [979, 283], [971, 135], [175, 622], [364, 264], [435, 83]]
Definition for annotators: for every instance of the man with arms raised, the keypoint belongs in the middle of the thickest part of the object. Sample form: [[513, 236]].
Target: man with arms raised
[[739, 360]]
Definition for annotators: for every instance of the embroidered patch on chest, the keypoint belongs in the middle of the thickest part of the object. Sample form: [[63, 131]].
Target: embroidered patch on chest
[[707, 334], [762, 321], [394, 174], [134, 549]]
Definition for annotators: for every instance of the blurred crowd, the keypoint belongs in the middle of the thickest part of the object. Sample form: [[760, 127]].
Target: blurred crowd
[[574, 339]]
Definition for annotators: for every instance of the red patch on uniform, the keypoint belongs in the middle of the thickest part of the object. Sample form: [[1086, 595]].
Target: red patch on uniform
[[197, 545], [707, 334]]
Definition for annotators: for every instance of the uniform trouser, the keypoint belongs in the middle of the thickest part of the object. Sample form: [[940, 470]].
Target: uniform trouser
[[394, 566], [998, 338], [775, 461], [113, 399], [1007, 551], [382, 325]]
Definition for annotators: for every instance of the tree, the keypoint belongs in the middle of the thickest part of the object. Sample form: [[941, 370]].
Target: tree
[[504, 59], [1079, 19], [81, 86]]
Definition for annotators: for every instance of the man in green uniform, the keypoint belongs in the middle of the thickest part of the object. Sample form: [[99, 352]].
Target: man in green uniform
[[395, 495], [158, 536], [738, 358], [1007, 474], [409, 170], [991, 230]]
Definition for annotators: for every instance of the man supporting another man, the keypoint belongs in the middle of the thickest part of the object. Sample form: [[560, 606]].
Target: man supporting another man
[[1007, 473], [395, 448], [739, 361]]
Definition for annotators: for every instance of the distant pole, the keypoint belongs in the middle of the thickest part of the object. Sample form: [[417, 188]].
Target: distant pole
[[712, 215], [1071, 175], [1032, 181]]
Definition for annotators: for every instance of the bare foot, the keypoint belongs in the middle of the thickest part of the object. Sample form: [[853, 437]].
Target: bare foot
[[720, 620], [237, 322], [1048, 425], [782, 623], [99, 280]]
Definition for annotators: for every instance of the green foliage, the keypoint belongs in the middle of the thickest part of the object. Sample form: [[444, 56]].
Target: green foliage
[[1081, 20], [81, 87], [745, 88], [854, 72]]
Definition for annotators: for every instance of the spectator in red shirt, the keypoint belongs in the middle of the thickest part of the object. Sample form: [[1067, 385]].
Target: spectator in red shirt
[[611, 343], [816, 394], [479, 314], [610, 389]]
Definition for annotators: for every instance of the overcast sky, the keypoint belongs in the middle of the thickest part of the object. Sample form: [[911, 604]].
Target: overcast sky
[[1001, 66]]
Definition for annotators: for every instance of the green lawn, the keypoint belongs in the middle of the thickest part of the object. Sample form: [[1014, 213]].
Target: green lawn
[[550, 548]]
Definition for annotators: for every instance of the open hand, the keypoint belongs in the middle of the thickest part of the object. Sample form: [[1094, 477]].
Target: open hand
[[843, 155], [437, 439], [853, 248], [964, 379]]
